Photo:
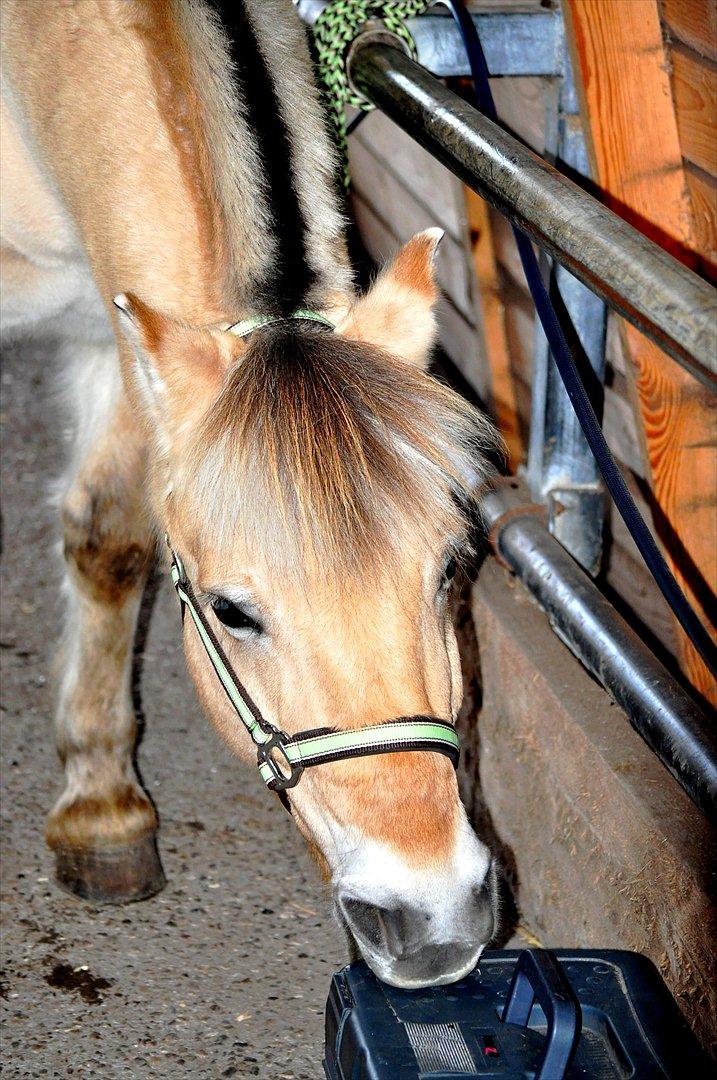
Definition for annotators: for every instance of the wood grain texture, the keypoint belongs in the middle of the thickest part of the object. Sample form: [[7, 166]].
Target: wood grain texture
[[694, 22], [382, 186], [632, 131], [428, 182], [694, 87], [506, 251], [703, 195], [520, 102], [518, 313], [503, 392]]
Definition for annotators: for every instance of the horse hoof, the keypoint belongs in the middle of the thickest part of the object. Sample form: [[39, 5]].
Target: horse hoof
[[117, 875]]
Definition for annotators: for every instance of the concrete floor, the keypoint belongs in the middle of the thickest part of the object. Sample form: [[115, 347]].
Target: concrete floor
[[225, 973]]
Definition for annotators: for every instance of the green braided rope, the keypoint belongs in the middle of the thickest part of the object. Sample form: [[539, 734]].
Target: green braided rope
[[336, 27]]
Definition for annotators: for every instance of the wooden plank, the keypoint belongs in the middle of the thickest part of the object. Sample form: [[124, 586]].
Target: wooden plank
[[429, 182], [632, 132], [637, 160], [703, 194], [377, 237], [383, 189], [694, 22], [503, 393], [460, 339], [506, 250], [615, 351], [519, 321], [520, 102], [630, 585], [619, 430], [520, 327], [694, 86], [464, 343]]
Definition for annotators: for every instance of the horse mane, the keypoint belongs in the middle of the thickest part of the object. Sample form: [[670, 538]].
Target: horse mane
[[329, 453]]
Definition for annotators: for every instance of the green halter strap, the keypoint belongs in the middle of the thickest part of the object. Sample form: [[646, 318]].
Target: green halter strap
[[282, 758], [258, 322]]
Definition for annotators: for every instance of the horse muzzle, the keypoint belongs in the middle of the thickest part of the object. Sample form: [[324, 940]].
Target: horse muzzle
[[411, 944]]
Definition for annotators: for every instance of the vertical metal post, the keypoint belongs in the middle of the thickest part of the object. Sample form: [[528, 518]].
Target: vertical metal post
[[561, 469]]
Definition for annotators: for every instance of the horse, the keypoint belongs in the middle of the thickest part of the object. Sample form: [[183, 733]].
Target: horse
[[167, 174]]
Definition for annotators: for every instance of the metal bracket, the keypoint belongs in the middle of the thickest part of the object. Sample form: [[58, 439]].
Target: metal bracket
[[561, 470]]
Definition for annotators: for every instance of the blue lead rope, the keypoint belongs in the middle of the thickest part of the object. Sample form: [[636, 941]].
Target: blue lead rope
[[638, 529]]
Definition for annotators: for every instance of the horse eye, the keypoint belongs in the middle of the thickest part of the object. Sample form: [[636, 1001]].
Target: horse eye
[[450, 571], [234, 617]]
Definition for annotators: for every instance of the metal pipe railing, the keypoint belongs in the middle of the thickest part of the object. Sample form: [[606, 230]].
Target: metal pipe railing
[[661, 297], [666, 717]]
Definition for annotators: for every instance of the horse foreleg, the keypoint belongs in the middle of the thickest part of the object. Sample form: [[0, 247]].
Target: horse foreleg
[[103, 827]]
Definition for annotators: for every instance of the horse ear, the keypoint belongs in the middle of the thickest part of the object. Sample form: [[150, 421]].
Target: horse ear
[[396, 314], [178, 369]]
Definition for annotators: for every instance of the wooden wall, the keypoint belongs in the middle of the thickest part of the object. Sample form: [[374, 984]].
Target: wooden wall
[[399, 189], [690, 30], [648, 112]]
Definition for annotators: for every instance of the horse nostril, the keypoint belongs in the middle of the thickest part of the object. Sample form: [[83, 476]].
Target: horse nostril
[[483, 909], [482, 893], [392, 931], [362, 920]]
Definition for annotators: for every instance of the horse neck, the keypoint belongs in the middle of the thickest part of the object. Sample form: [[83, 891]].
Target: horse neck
[[191, 155]]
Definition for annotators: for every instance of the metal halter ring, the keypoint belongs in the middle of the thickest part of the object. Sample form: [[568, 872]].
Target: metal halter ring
[[280, 781]]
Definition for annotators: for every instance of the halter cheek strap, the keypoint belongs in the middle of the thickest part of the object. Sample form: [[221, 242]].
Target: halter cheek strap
[[282, 758]]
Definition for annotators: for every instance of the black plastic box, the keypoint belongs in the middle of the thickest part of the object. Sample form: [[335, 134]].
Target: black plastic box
[[608, 1013]]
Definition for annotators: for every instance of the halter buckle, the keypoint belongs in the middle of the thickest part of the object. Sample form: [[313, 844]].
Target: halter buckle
[[280, 780]]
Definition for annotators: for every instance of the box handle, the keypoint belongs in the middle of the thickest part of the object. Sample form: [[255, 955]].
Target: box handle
[[538, 975]]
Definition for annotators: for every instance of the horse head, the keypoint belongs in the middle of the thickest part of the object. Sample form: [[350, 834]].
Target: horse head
[[318, 486]]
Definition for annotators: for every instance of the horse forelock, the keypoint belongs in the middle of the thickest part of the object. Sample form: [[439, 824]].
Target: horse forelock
[[329, 455]]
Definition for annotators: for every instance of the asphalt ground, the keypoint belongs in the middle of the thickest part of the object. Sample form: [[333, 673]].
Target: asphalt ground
[[225, 973]]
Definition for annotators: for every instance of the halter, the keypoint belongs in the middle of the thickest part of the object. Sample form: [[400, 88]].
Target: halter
[[282, 758]]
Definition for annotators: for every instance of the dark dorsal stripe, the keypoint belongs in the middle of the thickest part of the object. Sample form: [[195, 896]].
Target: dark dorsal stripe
[[289, 280]]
